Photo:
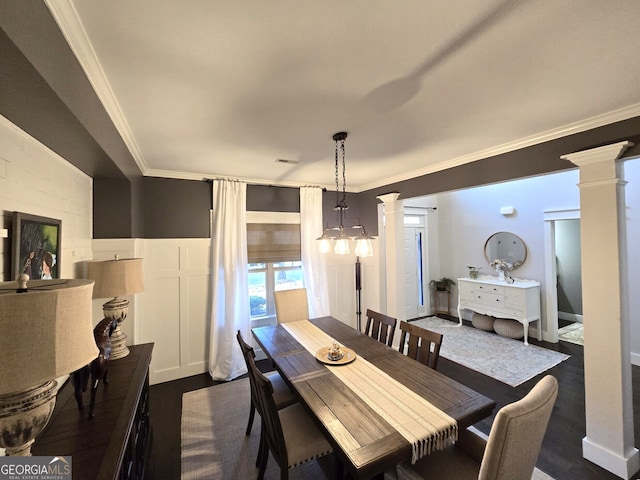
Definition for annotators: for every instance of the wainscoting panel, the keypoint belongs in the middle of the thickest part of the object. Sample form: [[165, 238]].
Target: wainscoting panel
[[176, 306]]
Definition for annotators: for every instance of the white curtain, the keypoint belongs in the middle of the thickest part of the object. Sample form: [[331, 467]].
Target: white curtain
[[229, 279], [313, 263]]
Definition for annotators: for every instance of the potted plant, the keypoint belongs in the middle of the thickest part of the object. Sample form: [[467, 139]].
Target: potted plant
[[442, 285]]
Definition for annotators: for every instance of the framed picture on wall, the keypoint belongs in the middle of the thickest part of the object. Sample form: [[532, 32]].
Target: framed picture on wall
[[36, 246]]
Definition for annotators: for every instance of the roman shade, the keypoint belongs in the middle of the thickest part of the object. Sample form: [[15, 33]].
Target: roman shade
[[273, 242]]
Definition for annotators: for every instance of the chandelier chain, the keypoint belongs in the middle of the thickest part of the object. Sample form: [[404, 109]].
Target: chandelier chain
[[337, 178], [344, 176]]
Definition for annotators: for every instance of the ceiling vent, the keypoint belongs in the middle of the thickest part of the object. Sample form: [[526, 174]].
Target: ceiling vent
[[284, 160]]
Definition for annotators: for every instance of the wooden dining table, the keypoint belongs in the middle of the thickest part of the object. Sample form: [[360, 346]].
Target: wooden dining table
[[364, 441]]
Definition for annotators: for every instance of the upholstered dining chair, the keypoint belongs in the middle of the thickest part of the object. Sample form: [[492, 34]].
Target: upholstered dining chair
[[423, 345], [508, 453], [291, 305], [282, 394], [290, 434], [380, 326]]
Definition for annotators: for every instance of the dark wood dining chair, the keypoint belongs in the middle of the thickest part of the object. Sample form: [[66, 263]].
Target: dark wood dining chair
[[420, 344], [508, 453], [291, 305], [283, 396], [380, 326], [290, 434]]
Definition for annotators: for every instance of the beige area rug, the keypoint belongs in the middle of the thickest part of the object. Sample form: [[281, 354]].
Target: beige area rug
[[214, 444], [572, 333], [505, 359], [215, 447]]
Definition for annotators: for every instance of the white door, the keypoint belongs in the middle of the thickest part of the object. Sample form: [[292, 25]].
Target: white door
[[416, 284]]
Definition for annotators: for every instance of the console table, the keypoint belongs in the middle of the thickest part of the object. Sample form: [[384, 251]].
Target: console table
[[115, 443], [488, 295]]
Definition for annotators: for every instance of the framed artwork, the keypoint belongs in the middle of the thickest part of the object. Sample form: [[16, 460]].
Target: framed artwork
[[36, 246]]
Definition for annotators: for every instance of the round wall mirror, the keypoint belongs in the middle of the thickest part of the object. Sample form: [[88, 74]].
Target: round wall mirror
[[506, 246]]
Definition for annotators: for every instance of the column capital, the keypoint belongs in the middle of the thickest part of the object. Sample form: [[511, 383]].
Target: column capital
[[598, 154], [389, 197]]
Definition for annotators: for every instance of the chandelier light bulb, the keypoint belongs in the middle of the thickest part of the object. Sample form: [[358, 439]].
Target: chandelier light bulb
[[325, 245], [342, 246], [364, 248]]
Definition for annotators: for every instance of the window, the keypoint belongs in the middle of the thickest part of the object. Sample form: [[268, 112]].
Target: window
[[266, 278], [273, 251]]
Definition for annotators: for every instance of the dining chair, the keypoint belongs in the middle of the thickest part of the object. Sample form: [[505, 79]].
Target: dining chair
[[283, 396], [291, 305], [290, 434], [423, 345], [508, 453], [380, 326]]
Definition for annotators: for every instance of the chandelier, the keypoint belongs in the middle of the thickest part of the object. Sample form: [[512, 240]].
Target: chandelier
[[341, 234]]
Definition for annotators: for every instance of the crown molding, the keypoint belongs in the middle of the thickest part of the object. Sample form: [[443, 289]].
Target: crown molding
[[68, 20], [247, 180], [594, 122]]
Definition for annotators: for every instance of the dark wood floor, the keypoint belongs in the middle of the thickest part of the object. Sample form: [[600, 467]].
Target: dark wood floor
[[560, 457]]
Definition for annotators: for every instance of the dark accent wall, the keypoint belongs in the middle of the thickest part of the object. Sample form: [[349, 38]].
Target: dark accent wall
[[117, 208], [267, 198], [354, 215], [111, 212], [176, 208]]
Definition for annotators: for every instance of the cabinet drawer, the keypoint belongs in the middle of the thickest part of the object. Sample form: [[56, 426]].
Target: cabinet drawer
[[488, 288], [489, 299]]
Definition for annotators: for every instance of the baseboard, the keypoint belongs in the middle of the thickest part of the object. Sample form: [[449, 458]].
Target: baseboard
[[623, 467]]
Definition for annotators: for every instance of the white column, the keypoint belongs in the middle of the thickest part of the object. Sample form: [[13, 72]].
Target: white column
[[394, 254], [607, 365]]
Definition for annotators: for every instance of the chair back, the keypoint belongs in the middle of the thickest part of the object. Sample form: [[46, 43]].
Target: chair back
[[266, 406], [517, 433], [423, 345], [291, 305], [380, 326], [249, 353]]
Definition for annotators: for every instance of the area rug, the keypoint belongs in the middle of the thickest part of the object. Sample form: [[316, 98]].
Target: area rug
[[214, 444], [572, 333], [504, 359], [215, 447]]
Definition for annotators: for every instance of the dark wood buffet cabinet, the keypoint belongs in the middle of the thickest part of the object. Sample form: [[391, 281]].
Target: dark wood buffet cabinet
[[115, 443]]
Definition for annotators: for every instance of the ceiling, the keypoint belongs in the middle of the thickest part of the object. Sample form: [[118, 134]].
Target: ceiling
[[210, 88]]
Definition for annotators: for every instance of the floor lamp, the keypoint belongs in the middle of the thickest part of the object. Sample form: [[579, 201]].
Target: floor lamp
[[358, 292], [45, 332], [114, 279]]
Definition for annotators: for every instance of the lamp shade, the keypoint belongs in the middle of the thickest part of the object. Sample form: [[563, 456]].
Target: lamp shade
[[45, 332], [116, 277]]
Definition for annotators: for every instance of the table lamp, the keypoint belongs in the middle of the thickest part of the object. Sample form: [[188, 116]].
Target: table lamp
[[45, 332], [115, 278]]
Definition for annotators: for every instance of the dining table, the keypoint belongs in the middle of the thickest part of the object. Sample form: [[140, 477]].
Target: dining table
[[356, 420]]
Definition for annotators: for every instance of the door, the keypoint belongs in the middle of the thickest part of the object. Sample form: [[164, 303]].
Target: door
[[416, 284], [551, 222]]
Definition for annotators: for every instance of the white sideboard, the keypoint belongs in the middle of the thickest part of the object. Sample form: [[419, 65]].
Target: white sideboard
[[490, 296]]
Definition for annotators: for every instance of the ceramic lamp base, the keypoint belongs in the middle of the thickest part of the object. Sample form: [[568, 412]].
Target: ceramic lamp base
[[117, 308], [23, 415]]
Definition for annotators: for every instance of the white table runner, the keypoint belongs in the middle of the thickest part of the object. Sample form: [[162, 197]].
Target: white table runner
[[425, 426]]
